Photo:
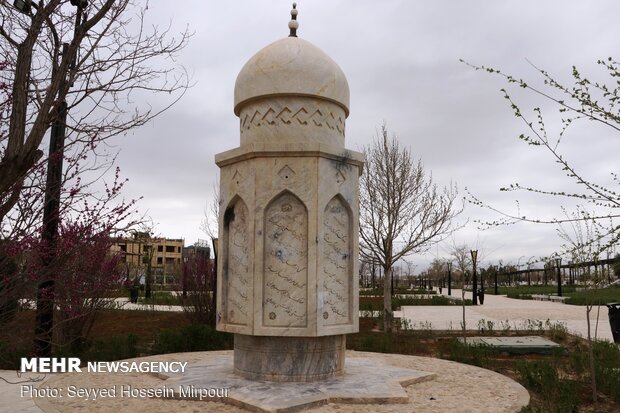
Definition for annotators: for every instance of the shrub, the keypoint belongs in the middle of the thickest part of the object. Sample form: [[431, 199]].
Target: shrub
[[11, 285], [541, 376], [456, 350], [607, 365], [557, 331], [199, 284], [11, 354]]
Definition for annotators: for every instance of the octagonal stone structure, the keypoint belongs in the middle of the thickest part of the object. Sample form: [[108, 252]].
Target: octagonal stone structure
[[288, 224]]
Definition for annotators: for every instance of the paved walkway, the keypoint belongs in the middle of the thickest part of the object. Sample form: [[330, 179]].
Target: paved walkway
[[505, 312]]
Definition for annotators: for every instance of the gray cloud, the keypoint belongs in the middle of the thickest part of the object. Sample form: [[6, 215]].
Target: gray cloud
[[401, 60]]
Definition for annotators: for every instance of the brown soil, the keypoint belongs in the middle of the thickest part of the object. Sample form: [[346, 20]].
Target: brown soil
[[145, 324]]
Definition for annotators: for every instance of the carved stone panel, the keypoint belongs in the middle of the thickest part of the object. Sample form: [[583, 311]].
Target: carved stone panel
[[285, 119], [336, 262], [314, 115], [238, 280], [285, 280]]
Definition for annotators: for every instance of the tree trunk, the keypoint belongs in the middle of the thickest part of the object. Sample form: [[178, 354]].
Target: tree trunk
[[387, 300], [463, 304], [148, 281], [591, 356]]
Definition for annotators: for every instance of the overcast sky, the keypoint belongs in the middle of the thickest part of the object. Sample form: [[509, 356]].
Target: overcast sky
[[401, 59]]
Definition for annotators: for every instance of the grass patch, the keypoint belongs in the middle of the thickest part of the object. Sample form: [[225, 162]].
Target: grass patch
[[594, 296], [400, 290], [161, 298], [195, 337], [526, 291], [375, 303]]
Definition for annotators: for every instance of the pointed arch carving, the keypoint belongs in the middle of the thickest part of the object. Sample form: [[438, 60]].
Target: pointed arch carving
[[236, 268], [337, 262], [285, 272]]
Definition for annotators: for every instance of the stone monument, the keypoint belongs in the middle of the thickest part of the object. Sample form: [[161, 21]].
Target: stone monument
[[288, 224], [287, 258]]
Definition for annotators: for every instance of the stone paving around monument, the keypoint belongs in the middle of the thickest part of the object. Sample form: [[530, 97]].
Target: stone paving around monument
[[365, 381], [454, 387]]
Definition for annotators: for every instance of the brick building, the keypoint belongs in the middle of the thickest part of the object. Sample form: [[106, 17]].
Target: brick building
[[164, 255]]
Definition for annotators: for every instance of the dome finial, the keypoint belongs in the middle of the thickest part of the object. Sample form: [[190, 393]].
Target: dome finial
[[293, 25]]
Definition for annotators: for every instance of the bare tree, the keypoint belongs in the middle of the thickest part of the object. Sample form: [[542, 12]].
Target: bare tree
[[199, 303], [594, 101], [436, 271], [462, 257], [410, 268], [364, 273], [90, 62], [402, 211], [582, 237], [76, 71], [209, 222], [592, 223]]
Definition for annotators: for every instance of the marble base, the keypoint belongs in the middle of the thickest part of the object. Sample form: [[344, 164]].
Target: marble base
[[365, 381], [289, 359]]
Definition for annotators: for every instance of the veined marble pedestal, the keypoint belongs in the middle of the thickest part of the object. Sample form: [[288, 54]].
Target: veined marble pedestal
[[302, 359]]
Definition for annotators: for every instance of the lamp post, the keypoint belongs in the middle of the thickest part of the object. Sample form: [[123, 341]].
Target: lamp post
[[449, 278], [558, 263], [474, 256], [51, 219], [495, 270], [44, 321]]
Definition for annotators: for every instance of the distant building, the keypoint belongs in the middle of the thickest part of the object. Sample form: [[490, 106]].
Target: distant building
[[200, 247], [165, 256]]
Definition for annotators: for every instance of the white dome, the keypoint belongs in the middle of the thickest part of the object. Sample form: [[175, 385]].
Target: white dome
[[291, 67]]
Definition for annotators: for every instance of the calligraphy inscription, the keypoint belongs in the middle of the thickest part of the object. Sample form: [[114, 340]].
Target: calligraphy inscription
[[285, 279], [336, 263], [238, 288]]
